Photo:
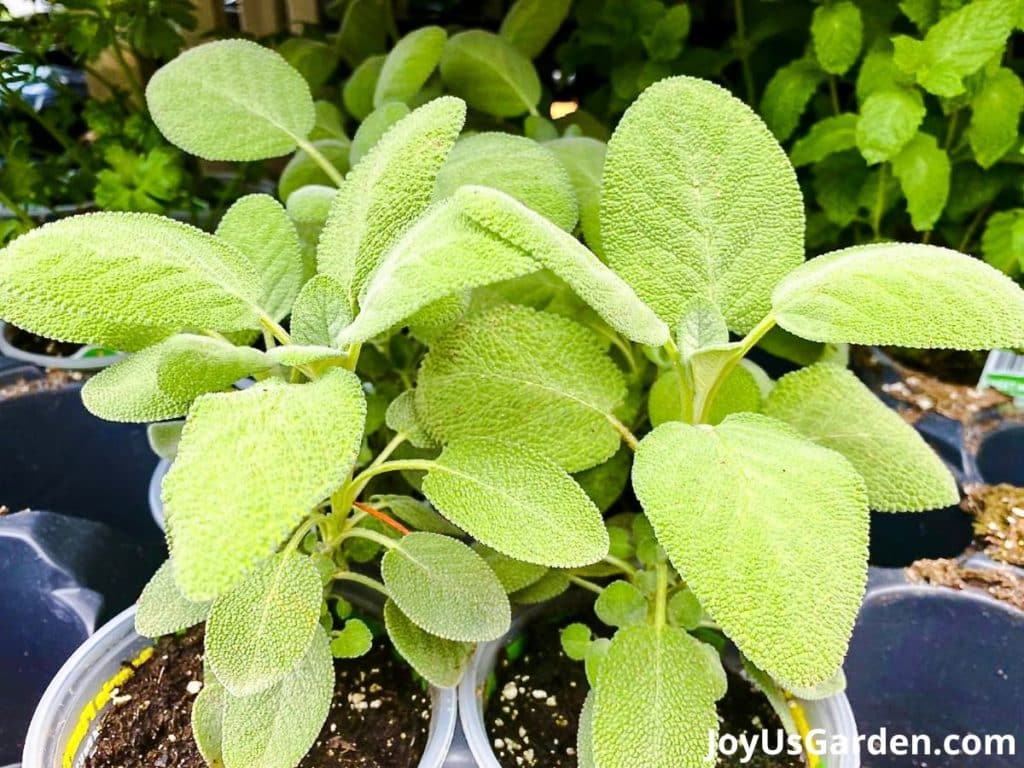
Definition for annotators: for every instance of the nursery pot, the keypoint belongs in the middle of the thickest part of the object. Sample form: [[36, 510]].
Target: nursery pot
[[63, 728], [934, 661], [156, 504], [832, 715], [993, 447], [86, 358]]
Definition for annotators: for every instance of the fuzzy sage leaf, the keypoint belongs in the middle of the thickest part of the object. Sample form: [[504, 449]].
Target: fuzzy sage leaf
[[163, 609], [440, 662]]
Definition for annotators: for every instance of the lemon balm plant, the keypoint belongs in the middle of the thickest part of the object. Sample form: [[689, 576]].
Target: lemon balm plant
[[757, 502]]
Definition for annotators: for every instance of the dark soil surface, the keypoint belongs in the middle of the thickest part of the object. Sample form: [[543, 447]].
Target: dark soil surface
[[379, 717], [998, 512], [532, 714], [29, 342], [53, 379], [952, 366], [1002, 584]]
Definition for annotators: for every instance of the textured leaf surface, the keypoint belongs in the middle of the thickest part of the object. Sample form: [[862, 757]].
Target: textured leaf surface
[[888, 121], [995, 115], [787, 95], [425, 566], [517, 502], [373, 128], [302, 170], [621, 604], [161, 381], [358, 91], [409, 64], [514, 575], [354, 640], [490, 74], [1002, 243], [221, 521], [388, 190], [741, 510], [547, 587], [163, 438], [904, 295], [837, 33], [231, 100], [530, 24], [208, 721], [163, 610], [259, 227], [923, 169], [124, 280], [699, 201], [321, 311], [826, 137], [416, 514], [275, 728], [517, 166], [441, 662], [258, 631], [583, 158], [829, 405], [530, 377], [401, 416], [671, 674]]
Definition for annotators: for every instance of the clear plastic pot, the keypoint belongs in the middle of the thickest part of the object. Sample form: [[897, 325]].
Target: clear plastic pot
[[81, 360], [833, 715], [76, 696], [156, 505]]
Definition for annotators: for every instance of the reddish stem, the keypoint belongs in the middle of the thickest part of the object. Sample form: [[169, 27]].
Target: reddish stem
[[384, 518]]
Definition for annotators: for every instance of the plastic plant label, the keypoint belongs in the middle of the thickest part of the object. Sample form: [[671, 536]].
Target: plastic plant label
[[1004, 372]]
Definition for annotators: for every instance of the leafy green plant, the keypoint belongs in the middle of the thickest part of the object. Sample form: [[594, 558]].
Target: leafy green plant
[[506, 414]]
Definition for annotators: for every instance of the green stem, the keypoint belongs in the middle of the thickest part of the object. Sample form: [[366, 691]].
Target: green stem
[[133, 81], [954, 120], [332, 173], [588, 585], [415, 465], [358, 484], [621, 564], [748, 342], [17, 210], [627, 436], [300, 533], [834, 94], [661, 595], [365, 533], [744, 54], [972, 228], [358, 578], [275, 329], [876, 215]]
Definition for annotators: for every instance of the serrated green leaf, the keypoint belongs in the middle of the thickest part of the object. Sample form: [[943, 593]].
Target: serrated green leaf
[[321, 311], [923, 169], [386, 192], [838, 181], [373, 128], [575, 640], [904, 295], [605, 483], [517, 166], [547, 587], [163, 610], [161, 381], [621, 604], [495, 238], [1002, 243], [699, 201], [409, 65], [995, 115], [826, 137], [422, 566], [231, 100], [402, 417], [259, 630], [440, 662], [358, 91], [208, 721], [830, 406], [353, 641], [583, 158], [514, 575], [530, 24], [163, 438], [529, 377], [518, 502], [302, 170], [958, 45], [490, 74], [878, 72], [837, 33], [259, 227], [220, 521], [124, 280], [787, 95], [415, 513], [667, 670], [740, 510], [888, 121], [275, 728]]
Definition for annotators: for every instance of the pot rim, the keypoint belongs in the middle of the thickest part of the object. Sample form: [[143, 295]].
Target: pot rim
[[834, 710], [50, 724], [76, 362]]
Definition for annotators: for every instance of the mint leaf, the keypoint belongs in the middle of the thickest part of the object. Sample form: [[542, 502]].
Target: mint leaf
[[888, 121], [837, 33], [995, 114], [826, 137], [787, 95], [409, 65], [530, 24], [231, 100], [490, 74], [163, 610], [923, 169], [1002, 243], [699, 201]]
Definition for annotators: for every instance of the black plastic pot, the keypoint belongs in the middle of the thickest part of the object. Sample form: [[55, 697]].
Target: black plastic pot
[[993, 448], [934, 661]]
